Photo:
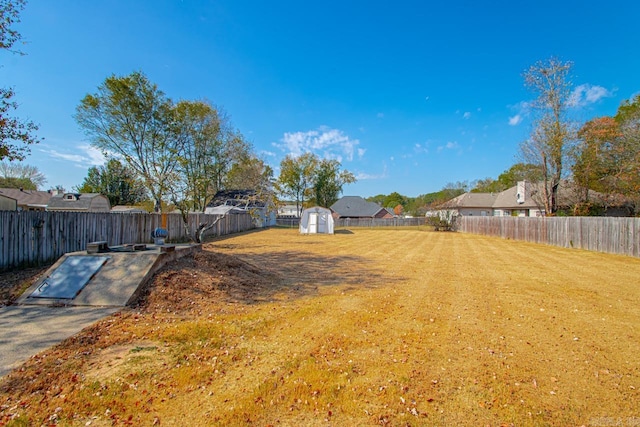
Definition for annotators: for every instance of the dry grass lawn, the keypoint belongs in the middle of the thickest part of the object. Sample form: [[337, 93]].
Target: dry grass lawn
[[365, 327]]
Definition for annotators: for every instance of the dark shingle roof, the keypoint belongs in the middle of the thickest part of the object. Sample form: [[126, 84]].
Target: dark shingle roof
[[27, 197], [355, 207], [83, 201]]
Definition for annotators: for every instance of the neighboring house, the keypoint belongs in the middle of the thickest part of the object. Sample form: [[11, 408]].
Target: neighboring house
[[127, 209], [518, 201], [525, 199], [288, 210], [24, 200], [467, 204], [357, 207], [264, 213], [79, 202]]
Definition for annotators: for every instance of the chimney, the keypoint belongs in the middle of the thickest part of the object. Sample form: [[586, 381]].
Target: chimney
[[521, 192]]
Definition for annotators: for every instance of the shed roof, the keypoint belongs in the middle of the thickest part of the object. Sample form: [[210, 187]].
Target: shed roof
[[222, 210], [240, 198]]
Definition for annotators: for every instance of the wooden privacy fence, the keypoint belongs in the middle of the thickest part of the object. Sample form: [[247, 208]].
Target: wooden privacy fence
[[36, 238], [379, 222], [601, 234]]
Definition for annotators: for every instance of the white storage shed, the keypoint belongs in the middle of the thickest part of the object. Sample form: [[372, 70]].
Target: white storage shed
[[316, 220]]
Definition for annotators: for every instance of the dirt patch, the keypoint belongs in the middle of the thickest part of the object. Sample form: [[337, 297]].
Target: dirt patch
[[121, 360]]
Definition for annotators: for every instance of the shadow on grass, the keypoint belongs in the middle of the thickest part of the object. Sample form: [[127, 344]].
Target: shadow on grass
[[343, 232]]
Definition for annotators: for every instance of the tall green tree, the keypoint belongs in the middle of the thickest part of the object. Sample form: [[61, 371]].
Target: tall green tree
[[250, 173], [118, 182], [509, 178], [548, 144], [594, 156], [626, 155], [394, 199], [131, 118], [16, 135], [297, 178], [210, 147], [329, 181], [20, 175]]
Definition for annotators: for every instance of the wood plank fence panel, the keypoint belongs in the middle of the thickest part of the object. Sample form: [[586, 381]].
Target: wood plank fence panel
[[37, 238], [615, 235], [380, 222]]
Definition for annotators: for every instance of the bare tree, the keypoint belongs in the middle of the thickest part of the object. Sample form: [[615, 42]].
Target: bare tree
[[22, 173], [548, 144]]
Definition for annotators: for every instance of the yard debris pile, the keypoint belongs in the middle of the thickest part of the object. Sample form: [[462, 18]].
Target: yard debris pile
[[187, 284]]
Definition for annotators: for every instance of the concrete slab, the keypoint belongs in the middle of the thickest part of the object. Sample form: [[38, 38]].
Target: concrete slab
[[119, 280], [28, 330]]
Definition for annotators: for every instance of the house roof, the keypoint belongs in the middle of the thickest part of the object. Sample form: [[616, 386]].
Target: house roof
[[82, 201], [508, 198], [471, 200], [355, 207], [27, 197], [568, 195]]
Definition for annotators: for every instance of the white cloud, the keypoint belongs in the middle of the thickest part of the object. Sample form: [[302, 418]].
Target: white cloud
[[515, 120], [419, 148], [85, 157], [466, 115], [326, 142], [268, 153], [586, 94], [361, 152], [363, 176], [448, 146]]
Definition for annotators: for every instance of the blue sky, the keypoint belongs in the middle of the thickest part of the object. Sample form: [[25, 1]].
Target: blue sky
[[409, 95]]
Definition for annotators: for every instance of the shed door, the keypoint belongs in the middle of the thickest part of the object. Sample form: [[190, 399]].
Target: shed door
[[313, 222]]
